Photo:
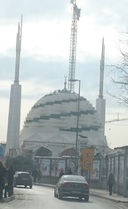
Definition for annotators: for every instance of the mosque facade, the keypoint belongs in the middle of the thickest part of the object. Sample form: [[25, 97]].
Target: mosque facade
[[51, 125]]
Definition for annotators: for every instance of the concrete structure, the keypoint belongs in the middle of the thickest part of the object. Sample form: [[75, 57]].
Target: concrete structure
[[15, 104], [100, 102]]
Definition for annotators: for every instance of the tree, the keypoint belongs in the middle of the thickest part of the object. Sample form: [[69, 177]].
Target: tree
[[20, 163], [120, 76]]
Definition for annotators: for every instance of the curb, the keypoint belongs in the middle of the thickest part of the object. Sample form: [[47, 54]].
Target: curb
[[8, 199], [108, 198]]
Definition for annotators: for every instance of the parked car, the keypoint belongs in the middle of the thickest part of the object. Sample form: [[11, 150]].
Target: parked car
[[22, 178], [72, 186]]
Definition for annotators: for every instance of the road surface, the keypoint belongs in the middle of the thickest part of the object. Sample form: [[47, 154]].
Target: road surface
[[40, 197]]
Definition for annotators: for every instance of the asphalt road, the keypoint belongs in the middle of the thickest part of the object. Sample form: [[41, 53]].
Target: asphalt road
[[43, 198]]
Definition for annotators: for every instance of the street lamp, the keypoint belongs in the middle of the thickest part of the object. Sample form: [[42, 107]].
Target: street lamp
[[77, 125]]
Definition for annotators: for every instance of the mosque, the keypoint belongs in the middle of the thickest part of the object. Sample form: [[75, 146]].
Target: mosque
[[51, 126]]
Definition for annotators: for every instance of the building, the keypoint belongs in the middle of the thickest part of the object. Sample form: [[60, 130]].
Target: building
[[51, 124]]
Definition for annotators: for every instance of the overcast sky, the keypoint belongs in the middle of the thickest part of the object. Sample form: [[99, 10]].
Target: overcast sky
[[45, 54]]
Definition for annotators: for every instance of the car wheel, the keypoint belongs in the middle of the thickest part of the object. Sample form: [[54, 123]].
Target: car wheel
[[87, 198], [30, 186], [25, 186]]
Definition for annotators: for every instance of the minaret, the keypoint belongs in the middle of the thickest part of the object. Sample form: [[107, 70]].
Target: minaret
[[13, 130], [100, 102]]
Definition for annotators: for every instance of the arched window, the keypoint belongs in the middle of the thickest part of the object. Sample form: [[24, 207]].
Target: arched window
[[68, 152], [43, 152]]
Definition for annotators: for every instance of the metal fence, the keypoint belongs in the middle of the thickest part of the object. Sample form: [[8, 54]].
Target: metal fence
[[50, 169], [118, 165]]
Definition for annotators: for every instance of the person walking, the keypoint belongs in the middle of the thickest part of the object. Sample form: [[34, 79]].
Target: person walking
[[39, 176], [69, 172], [110, 183], [3, 177], [10, 178], [35, 175], [61, 173]]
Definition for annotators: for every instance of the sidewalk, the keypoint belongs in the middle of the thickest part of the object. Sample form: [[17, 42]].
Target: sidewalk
[[105, 195], [7, 199]]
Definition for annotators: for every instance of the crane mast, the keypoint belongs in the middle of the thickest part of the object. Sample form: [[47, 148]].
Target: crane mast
[[116, 119], [73, 44]]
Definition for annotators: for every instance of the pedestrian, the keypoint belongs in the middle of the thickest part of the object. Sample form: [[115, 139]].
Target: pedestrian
[[61, 173], [35, 175], [10, 178], [110, 183], [39, 176], [69, 172], [3, 177]]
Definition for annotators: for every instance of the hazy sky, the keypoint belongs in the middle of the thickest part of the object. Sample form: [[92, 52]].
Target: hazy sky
[[45, 54]]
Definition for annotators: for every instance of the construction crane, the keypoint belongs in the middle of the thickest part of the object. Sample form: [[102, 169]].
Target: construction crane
[[73, 44], [116, 120]]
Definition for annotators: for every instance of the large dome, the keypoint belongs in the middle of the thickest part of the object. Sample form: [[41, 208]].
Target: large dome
[[50, 126]]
